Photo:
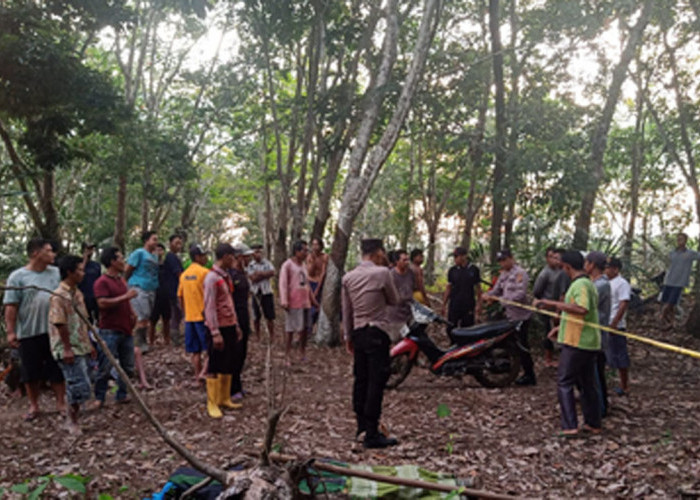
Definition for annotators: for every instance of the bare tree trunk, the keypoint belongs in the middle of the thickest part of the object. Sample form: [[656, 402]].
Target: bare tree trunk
[[430, 260], [120, 222], [360, 180], [500, 154], [637, 162], [599, 138]]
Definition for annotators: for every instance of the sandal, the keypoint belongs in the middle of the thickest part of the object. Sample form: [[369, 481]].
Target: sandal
[[568, 435], [30, 415], [591, 430]]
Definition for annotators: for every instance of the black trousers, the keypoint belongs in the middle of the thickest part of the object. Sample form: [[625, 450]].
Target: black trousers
[[578, 367], [371, 370], [462, 317], [241, 350], [222, 362], [525, 357]]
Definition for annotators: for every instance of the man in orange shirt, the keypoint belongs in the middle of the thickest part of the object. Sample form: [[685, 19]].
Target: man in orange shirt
[[191, 295]]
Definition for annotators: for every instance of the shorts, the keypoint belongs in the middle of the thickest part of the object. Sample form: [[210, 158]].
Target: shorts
[[78, 389], [267, 302], [143, 303], [616, 354], [296, 320], [222, 361], [161, 309], [671, 295], [195, 337], [37, 362]]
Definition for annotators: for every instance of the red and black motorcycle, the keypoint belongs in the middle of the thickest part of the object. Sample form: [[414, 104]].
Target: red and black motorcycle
[[488, 351]]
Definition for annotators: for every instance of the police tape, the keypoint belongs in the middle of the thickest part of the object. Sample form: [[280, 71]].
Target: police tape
[[633, 336]]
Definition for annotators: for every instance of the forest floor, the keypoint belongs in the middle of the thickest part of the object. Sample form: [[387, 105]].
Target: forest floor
[[501, 440]]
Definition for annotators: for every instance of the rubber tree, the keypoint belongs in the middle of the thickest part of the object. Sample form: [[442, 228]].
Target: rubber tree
[[365, 163]]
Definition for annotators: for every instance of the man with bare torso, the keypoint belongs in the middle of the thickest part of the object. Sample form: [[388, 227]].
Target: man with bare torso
[[316, 264], [419, 292]]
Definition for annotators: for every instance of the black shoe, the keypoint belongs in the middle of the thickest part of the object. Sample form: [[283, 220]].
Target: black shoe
[[379, 441], [526, 380]]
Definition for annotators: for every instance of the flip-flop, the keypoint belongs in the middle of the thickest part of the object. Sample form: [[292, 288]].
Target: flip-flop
[[568, 435], [30, 415], [595, 431]]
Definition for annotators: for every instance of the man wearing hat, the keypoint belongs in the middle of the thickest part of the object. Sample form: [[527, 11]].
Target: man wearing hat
[[366, 292], [241, 290], [512, 285], [223, 331], [463, 282], [191, 294], [92, 272]]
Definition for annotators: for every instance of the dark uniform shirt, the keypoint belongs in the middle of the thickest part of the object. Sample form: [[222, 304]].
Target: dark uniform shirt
[[462, 280]]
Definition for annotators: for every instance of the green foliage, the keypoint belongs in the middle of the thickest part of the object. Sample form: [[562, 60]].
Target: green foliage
[[34, 488], [443, 411]]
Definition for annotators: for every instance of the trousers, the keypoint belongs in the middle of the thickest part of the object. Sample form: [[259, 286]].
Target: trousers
[[577, 367], [371, 371]]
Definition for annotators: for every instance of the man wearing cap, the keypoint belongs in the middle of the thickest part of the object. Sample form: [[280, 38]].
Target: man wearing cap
[[512, 285], [616, 351], [260, 271], [366, 292], [677, 278], [241, 290], [223, 334], [580, 342], [92, 272], [463, 282], [191, 294], [594, 266]]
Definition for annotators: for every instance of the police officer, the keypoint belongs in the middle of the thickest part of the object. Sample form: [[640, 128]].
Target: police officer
[[366, 292], [512, 286]]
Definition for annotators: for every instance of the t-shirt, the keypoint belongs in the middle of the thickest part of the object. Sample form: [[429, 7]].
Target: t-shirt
[[191, 290], [262, 286], [550, 284], [33, 305], [680, 266], [92, 272], [582, 292], [169, 278], [405, 284], [294, 285], [602, 286], [61, 312], [462, 281], [119, 317], [145, 274], [620, 290], [241, 289]]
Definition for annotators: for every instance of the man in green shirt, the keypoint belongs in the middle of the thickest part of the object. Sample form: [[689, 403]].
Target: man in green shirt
[[579, 346]]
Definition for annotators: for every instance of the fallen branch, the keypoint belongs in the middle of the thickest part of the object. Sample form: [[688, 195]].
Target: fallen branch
[[411, 483], [205, 468]]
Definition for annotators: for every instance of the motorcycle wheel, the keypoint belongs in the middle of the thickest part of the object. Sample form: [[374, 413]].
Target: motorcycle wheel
[[400, 368], [502, 352]]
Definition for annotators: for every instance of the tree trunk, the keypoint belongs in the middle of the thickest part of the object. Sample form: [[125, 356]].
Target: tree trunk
[[430, 258], [360, 180], [637, 160], [599, 138], [120, 222], [500, 153]]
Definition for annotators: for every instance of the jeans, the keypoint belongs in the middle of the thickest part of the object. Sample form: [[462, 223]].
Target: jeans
[[578, 367], [122, 347], [371, 370]]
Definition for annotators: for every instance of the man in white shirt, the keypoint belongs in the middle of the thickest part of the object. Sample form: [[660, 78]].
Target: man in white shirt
[[616, 351]]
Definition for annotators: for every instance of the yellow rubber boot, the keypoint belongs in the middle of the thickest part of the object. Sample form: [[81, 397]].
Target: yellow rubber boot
[[213, 397], [225, 393]]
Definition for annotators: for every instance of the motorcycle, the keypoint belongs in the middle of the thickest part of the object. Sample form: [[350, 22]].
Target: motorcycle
[[488, 351]]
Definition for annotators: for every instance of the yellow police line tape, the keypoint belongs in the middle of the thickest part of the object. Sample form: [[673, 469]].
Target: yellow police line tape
[[639, 338]]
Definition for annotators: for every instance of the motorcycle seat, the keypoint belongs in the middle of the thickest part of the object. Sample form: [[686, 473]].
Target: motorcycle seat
[[461, 336]]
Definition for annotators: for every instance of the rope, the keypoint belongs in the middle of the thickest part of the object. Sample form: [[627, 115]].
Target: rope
[[639, 338]]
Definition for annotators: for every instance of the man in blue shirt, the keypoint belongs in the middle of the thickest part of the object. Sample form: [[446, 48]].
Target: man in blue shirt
[[142, 275]]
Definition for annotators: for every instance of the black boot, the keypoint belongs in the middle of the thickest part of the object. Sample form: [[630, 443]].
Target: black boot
[[379, 440]]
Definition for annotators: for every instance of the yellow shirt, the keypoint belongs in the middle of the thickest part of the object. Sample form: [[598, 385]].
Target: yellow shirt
[[191, 289]]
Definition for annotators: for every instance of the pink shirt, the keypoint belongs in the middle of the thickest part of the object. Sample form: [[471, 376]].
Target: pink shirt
[[294, 286], [218, 301]]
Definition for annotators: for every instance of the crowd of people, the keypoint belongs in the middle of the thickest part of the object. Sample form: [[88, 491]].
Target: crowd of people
[[209, 299]]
